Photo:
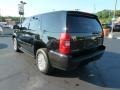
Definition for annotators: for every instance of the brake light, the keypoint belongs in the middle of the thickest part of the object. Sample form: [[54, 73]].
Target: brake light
[[64, 45]]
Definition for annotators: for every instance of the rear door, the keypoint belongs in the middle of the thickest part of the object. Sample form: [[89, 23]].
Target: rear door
[[33, 33], [85, 32]]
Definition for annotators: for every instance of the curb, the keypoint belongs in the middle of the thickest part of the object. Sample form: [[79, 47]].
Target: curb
[[117, 37], [5, 35], [113, 38]]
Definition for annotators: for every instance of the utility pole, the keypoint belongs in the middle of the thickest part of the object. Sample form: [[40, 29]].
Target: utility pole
[[113, 19], [0, 15], [94, 7], [115, 9]]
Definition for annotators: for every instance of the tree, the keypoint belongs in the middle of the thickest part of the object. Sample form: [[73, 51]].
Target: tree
[[3, 19], [106, 16], [118, 13]]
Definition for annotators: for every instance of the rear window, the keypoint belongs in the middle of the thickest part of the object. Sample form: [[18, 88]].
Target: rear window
[[82, 24]]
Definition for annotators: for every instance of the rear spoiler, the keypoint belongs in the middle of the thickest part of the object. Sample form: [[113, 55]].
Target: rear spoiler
[[78, 13]]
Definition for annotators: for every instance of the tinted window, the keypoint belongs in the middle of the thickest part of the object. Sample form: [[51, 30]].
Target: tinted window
[[54, 22], [34, 23], [83, 24], [25, 24]]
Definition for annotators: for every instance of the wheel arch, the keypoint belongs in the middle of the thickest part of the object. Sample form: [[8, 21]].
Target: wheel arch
[[38, 45]]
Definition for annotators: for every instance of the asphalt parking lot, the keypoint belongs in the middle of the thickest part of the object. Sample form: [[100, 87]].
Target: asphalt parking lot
[[19, 72]]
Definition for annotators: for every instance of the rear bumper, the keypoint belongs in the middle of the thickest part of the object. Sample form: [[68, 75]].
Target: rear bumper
[[70, 62]]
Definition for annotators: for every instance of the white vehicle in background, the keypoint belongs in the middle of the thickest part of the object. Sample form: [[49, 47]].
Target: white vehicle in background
[[5, 30], [1, 30]]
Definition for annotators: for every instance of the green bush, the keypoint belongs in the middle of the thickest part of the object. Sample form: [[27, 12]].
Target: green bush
[[105, 26]]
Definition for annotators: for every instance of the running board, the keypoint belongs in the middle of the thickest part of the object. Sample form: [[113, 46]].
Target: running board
[[26, 51]]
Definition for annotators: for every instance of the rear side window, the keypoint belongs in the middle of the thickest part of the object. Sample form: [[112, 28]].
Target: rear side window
[[83, 24], [34, 24], [25, 24], [54, 22]]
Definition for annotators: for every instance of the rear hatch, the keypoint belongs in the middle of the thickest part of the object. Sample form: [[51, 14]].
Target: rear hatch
[[85, 32]]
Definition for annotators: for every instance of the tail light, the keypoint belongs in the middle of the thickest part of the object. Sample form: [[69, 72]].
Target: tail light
[[64, 45]]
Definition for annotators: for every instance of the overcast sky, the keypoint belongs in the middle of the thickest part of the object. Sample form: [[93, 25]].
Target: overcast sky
[[10, 7]]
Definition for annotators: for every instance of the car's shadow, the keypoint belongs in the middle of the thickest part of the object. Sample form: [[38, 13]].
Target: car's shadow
[[103, 73], [3, 45]]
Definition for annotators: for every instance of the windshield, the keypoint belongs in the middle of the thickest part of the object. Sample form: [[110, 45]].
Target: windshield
[[83, 24]]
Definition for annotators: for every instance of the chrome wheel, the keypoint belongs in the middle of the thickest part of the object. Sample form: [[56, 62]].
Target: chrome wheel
[[15, 44], [41, 62]]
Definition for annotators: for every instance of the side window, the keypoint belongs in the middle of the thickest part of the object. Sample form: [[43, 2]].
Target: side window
[[54, 22], [25, 24], [34, 24]]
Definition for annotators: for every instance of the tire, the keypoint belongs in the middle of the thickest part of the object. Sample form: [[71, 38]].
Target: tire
[[15, 45], [43, 63]]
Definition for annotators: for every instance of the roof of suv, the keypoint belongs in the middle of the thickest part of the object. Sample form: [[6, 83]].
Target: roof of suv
[[72, 13]]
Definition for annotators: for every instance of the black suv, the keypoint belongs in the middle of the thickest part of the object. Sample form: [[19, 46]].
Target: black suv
[[61, 39]]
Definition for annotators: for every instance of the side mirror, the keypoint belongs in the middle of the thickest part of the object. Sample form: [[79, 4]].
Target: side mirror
[[16, 27]]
